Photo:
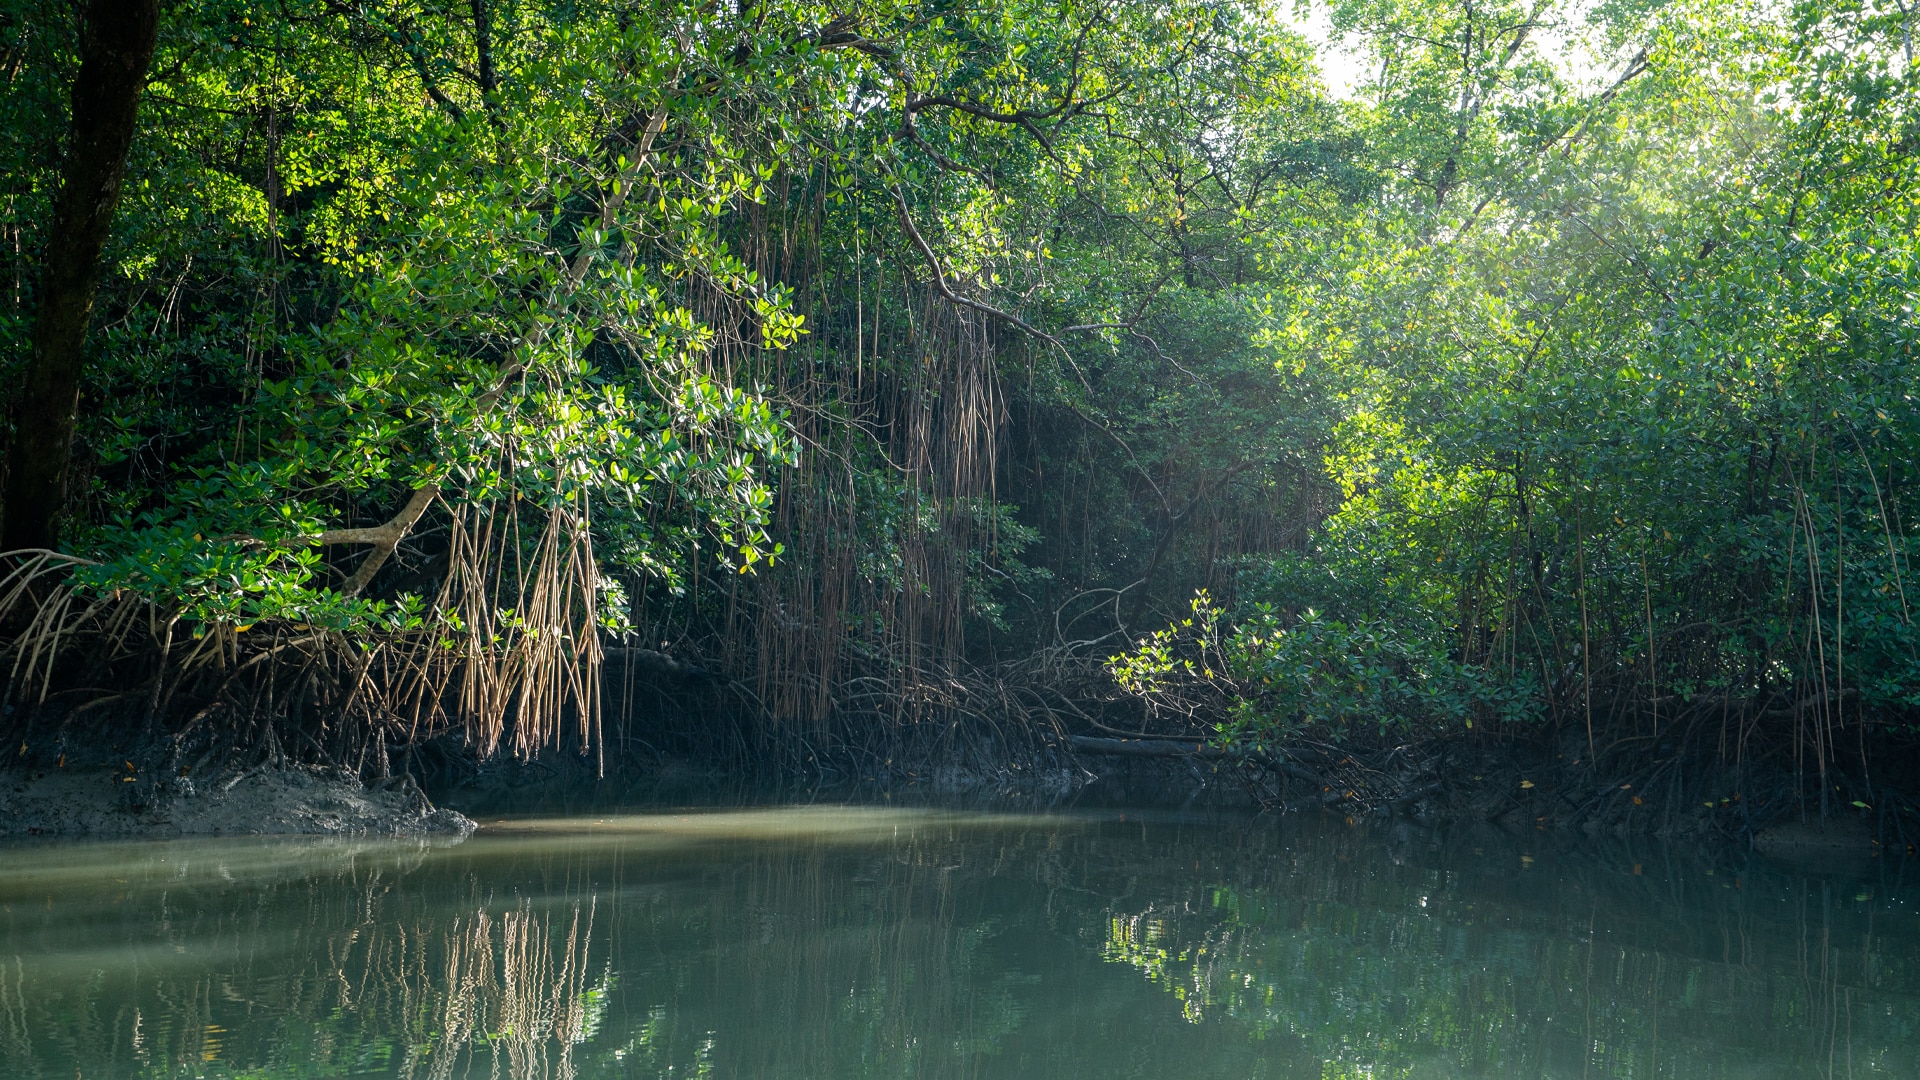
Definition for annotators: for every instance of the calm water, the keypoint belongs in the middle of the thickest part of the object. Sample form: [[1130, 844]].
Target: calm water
[[829, 942]]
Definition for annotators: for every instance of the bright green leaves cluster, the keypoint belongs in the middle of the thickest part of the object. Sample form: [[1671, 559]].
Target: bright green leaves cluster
[[1314, 675]]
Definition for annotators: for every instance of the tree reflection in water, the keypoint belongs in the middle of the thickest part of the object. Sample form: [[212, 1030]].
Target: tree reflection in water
[[252, 960], [1477, 959], [832, 943]]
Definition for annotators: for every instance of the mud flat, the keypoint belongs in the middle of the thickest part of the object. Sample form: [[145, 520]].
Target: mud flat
[[102, 802]]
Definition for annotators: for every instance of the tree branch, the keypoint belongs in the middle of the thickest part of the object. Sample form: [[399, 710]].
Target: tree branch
[[946, 291], [386, 537]]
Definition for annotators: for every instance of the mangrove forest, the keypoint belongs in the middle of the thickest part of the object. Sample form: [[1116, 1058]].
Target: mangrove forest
[[1486, 409]]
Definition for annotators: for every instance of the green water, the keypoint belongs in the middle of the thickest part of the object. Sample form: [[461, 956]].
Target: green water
[[836, 942]]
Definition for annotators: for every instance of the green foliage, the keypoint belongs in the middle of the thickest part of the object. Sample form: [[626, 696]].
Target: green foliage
[[1185, 650], [1636, 423], [1567, 362], [350, 267], [1620, 369]]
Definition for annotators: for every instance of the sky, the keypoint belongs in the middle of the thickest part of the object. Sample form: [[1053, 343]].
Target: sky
[[1341, 65], [1344, 68]]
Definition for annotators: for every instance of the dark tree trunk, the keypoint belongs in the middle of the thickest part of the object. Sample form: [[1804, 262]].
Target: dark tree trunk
[[483, 54], [116, 47]]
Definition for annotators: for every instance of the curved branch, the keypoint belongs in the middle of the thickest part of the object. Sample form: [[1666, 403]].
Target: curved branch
[[946, 291], [385, 537]]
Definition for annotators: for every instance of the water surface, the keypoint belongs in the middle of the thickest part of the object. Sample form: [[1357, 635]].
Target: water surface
[[832, 942]]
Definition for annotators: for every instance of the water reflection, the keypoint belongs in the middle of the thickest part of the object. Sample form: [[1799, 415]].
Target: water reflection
[[1482, 958], [851, 943]]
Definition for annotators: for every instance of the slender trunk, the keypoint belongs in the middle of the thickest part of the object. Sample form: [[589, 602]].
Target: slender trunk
[[1586, 638], [483, 60], [116, 47]]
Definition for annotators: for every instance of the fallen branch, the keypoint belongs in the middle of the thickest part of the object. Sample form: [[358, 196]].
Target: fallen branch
[[1166, 748], [1092, 744], [661, 663]]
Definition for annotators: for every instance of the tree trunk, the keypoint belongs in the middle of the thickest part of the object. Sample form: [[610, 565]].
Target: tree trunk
[[116, 47]]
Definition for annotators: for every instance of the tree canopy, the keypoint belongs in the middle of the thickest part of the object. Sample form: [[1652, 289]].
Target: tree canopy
[[921, 361]]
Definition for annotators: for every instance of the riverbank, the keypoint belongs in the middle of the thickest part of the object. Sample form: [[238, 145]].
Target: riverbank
[[1517, 785], [1442, 782], [100, 801]]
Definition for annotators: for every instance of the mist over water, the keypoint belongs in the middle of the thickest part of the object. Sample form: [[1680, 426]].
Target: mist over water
[[852, 942]]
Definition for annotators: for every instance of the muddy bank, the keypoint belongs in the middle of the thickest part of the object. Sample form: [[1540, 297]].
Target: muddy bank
[[293, 800], [1519, 787], [1435, 782]]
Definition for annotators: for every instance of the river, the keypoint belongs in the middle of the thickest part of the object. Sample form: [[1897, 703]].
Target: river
[[827, 942]]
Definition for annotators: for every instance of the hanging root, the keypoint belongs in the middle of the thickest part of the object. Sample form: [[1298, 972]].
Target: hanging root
[[516, 668]]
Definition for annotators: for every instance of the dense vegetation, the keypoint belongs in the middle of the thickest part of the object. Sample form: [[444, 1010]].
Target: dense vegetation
[[785, 379]]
